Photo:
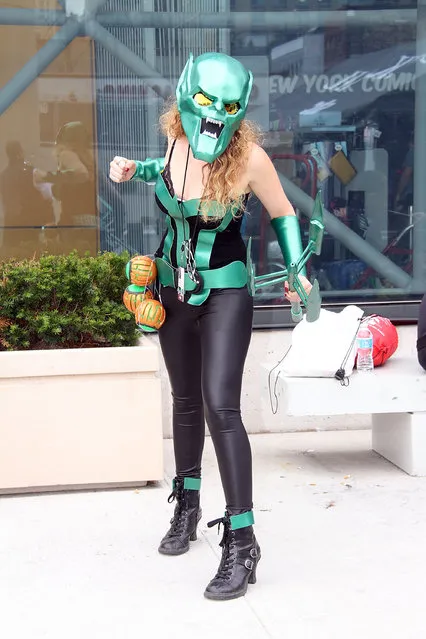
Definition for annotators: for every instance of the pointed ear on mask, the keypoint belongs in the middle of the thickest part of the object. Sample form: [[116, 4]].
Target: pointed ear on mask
[[249, 88], [184, 83]]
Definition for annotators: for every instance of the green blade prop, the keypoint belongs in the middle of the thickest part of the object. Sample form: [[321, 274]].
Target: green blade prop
[[316, 226], [311, 302]]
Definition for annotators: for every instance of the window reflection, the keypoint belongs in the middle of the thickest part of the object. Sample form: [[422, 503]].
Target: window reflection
[[72, 184], [337, 100], [48, 162], [26, 202]]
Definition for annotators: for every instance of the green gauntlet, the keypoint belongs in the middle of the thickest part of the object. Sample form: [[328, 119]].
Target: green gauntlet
[[287, 230], [149, 170]]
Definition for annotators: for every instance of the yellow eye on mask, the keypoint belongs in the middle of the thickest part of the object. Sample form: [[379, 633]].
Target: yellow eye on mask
[[202, 100], [233, 108]]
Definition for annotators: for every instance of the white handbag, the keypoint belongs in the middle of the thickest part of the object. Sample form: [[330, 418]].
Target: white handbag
[[325, 348]]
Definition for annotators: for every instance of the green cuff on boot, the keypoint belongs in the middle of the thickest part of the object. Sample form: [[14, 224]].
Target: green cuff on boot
[[287, 230], [192, 483], [242, 521], [189, 483]]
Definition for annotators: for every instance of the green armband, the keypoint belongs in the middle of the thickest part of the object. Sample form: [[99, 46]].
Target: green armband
[[287, 230], [149, 170]]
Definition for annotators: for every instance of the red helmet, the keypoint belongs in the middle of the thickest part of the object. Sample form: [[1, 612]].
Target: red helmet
[[385, 338]]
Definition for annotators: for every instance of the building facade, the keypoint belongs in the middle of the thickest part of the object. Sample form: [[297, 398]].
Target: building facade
[[339, 92]]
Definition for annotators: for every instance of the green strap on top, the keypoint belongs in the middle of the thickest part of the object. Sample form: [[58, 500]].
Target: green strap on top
[[233, 275], [242, 521], [287, 230], [149, 170], [203, 251]]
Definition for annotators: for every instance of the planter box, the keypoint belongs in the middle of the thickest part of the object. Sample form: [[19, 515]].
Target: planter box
[[80, 418]]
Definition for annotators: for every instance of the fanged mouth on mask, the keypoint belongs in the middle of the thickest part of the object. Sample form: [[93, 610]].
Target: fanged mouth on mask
[[212, 128]]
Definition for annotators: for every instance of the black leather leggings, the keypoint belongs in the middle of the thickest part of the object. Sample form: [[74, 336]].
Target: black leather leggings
[[205, 348]]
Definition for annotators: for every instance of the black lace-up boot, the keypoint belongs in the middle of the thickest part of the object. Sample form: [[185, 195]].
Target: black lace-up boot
[[187, 514], [240, 556]]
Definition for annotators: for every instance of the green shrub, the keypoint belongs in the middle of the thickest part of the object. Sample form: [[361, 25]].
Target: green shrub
[[65, 301]]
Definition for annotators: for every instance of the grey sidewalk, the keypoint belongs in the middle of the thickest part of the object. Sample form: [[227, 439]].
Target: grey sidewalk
[[343, 537]]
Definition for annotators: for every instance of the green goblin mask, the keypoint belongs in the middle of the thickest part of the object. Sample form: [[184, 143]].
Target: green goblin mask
[[212, 96]]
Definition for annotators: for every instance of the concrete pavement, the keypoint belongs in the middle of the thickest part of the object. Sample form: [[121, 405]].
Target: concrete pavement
[[342, 533]]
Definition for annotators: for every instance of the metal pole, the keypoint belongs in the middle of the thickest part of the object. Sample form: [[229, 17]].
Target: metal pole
[[32, 17], [256, 21], [239, 20], [419, 182], [32, 69], [224, 34], [119, 50], [348, 238]]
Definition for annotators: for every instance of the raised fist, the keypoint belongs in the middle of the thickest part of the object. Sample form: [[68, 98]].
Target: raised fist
[[121, 169]]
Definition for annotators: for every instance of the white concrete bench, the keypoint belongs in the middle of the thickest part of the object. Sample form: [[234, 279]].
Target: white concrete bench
[[394, 394]]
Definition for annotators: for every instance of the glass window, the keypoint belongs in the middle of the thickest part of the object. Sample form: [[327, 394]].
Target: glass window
[[340, 96], [48, 132], [342, 106]]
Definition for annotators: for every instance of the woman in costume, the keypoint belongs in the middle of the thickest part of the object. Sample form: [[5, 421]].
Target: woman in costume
[[212, 164]]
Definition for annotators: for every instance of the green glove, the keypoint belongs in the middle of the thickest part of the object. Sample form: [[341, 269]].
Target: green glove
[[287, 230], [149, 170]]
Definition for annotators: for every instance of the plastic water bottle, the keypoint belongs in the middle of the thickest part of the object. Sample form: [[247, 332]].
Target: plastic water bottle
[[364, 362]]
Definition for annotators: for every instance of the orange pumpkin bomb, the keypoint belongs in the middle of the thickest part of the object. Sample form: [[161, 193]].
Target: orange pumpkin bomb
[[150, 315], [134, 295], [141, 270]]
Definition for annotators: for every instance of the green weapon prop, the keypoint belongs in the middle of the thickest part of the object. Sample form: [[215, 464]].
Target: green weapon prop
[[312, 302]]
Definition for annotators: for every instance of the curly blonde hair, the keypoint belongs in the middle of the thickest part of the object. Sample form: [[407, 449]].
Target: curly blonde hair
[[225, 172]]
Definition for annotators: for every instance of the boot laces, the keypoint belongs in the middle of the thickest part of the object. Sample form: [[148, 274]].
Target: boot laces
[[177, 492], [180, 516], [228, 546], [178, 522]]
